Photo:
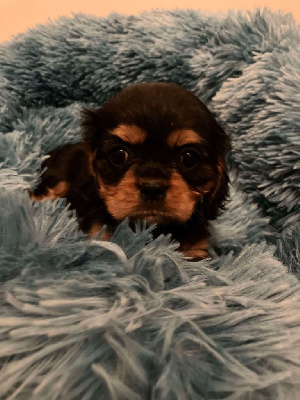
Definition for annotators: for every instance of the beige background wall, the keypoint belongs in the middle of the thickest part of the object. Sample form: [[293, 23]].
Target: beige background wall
[[18, 15]]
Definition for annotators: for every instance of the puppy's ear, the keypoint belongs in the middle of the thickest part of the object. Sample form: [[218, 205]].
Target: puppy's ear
[[215, 200], [91, 124], [94, 122]]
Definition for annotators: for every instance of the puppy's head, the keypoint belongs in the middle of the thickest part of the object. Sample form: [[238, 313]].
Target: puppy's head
[[157, 155]]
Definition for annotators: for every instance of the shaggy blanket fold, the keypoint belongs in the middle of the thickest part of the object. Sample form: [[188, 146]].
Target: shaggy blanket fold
[[132, 318]]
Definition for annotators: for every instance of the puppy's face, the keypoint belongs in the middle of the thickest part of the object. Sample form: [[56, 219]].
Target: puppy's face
[[157, 155]]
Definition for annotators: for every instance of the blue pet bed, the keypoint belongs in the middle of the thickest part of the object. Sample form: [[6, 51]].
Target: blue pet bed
[[132, 319]]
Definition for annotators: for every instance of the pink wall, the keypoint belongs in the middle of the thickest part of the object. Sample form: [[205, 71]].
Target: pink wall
[[18, 15]]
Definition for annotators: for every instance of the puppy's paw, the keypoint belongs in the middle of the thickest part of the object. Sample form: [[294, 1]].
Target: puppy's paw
[[197, 255], [196, 251], [58, 191], [95, 230]]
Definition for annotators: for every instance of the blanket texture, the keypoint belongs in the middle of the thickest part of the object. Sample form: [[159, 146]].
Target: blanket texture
[[132, 318]]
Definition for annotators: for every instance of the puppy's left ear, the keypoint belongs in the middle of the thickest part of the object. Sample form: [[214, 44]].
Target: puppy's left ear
[[94, 122], [214, 201]]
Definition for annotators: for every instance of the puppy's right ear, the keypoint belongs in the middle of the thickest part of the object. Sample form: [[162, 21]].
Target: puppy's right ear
[[92, 126]]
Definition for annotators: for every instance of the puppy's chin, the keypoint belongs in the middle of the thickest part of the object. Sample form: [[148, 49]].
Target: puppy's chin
[[153, 217]]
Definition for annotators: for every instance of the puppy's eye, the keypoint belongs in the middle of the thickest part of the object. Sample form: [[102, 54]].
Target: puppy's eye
[[118, 157], [189, 159]]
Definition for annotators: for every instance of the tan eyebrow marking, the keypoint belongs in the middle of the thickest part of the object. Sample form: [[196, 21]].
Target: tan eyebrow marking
[[130, 133], [182, 137]]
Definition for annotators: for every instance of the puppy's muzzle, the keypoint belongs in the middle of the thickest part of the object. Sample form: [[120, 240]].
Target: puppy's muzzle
[[153, 191]]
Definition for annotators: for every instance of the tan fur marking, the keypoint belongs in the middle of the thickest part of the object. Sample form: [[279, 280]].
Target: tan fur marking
[[182, 137], [180, 199], [197, 250], [130, 133], [58, 191], [122, 199]]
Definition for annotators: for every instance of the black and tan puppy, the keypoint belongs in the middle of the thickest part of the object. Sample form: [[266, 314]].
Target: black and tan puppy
[[153, 153]]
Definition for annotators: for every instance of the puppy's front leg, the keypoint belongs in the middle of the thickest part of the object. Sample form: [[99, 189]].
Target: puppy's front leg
[[65, 167]]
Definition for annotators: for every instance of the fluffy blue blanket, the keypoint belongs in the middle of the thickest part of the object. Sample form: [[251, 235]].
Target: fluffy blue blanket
[[131, 318]]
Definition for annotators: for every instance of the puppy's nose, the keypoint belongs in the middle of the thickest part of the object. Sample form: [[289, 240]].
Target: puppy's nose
[[153, 190]]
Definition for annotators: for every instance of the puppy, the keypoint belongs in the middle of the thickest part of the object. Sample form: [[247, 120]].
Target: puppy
[[153, 153]]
